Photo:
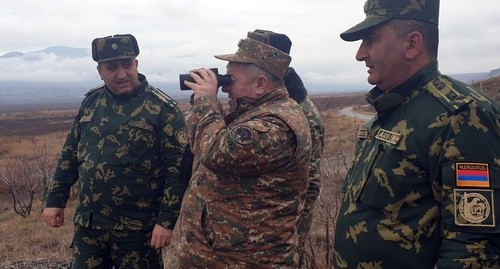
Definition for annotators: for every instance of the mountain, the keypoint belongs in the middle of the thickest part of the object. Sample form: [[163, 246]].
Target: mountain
[[58, 51], [475, 77], [61, 74]]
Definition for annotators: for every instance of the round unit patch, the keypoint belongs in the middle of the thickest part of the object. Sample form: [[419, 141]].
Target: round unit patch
[[474, 207], [243, 135]]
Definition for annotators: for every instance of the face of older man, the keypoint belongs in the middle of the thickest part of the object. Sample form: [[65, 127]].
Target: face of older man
[[384, 54], [242, 85], [120, 76]]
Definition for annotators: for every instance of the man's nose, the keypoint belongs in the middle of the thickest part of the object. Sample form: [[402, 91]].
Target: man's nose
[[362, 52], [121, 72]]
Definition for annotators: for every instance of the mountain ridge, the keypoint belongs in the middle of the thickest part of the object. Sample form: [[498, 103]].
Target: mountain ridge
[[23, 91]]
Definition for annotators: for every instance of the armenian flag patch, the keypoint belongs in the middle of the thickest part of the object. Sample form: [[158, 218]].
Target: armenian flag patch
[[472, 175]]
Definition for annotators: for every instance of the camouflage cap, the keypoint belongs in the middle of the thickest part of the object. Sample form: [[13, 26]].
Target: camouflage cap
[[261, 54], [379, 11], [277, 40], [114, 47]]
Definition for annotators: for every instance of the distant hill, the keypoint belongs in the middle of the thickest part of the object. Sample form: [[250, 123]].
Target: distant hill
[[59, 51], [490, 87], [470, 78], [17, 90]]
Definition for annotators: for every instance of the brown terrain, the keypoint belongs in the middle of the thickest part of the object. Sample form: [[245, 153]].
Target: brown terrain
[[26, 242]]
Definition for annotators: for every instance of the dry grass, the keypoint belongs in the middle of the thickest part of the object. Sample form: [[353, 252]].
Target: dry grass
[[30, 238]]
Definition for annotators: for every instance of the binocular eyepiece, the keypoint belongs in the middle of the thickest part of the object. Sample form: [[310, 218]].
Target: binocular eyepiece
[[222, 80]]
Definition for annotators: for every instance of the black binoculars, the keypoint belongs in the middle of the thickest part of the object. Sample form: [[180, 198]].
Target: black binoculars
[[222, 80]]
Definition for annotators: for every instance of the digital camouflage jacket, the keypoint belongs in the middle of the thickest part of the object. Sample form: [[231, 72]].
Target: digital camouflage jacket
[[125, 153], [424, 186], [243, 202]]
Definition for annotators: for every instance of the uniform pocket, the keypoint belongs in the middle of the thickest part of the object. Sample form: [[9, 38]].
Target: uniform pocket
[[139, 152], [388, 186]]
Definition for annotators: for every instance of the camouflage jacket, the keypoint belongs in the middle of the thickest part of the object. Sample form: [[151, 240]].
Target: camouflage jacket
[[125, 153], [422, 187], [317, 138], [298, 92], [242, 206]]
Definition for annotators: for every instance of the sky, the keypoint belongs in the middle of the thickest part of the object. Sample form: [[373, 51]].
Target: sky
[[176, 36]]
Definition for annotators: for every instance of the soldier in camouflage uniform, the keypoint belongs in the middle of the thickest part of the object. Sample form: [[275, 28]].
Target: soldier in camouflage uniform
[[248, 187], [298, 92], [124, 152], [424, 186]]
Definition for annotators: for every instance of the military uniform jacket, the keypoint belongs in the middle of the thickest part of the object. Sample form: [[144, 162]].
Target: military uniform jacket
[[424, 187], [124, 152], [317, 130], [243, 202]]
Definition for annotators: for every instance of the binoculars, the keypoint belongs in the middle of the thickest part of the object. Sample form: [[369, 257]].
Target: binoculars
[[222, 80]]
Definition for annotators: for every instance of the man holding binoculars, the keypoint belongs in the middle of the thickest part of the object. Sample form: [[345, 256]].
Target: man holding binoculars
[[251, 166]]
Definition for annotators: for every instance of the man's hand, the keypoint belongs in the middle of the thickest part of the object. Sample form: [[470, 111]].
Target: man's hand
[[54, 216], [161, 237], [205, 83]]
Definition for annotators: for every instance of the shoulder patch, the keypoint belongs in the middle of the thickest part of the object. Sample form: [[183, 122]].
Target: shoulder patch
[[474, 207], [243, 135], [163, 97], [442, 88], [472, 175], [182, 136]]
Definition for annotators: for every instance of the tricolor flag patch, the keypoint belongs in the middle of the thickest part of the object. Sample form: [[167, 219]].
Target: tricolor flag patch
[[472, 175]]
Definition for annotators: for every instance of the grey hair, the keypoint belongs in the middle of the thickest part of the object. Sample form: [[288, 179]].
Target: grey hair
[[253, 71]]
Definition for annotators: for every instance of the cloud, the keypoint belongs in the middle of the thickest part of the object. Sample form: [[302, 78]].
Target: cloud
[[176, 36]]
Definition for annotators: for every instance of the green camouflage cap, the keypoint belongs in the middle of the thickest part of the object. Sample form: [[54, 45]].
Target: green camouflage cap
[[379, 11], [114, 47], [261, 54]]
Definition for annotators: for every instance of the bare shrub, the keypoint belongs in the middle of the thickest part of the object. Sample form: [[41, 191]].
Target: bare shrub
[[26, 177]]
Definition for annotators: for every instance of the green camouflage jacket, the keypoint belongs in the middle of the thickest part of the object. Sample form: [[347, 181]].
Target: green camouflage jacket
[[242, 206], [425, 179], [125, 153]]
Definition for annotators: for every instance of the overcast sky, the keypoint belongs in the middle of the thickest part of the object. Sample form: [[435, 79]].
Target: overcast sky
[[178, 35]]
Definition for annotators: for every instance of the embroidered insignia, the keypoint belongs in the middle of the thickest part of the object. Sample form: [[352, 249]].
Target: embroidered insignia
[[472, 175], [182, 136], [363, 134], [474, 207], [243, 135], [388, 136]]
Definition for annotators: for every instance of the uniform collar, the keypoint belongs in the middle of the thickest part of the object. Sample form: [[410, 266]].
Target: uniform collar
[[245, 103]]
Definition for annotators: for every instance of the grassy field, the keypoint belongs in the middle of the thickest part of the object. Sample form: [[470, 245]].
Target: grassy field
[[30, 141], [27, 136]]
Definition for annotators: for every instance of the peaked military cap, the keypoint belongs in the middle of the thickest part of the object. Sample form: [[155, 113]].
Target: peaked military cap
[[277, 40], [265, 56], [114, 47], [379, 11]]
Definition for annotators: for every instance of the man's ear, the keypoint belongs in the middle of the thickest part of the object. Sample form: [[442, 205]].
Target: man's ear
[[414, 45], [262, 84], [99, 68]]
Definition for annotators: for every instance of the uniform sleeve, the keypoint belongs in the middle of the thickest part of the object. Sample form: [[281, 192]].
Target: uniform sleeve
[[470, 175], [66, 173], [174, 140], [249, 148]]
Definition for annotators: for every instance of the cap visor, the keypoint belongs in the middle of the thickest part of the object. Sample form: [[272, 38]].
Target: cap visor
[[359, 30], [233, 58], [116, 58]]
